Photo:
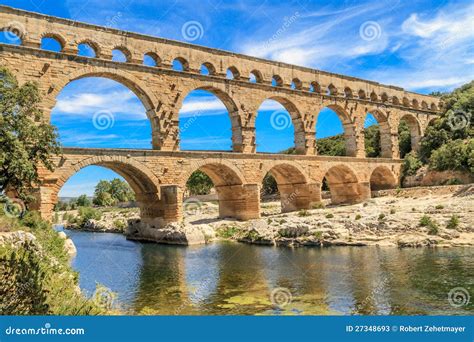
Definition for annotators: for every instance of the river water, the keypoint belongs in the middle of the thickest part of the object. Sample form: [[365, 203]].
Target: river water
[[232, 278]]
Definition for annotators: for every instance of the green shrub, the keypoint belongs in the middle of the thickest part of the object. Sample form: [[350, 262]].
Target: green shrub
[[425, 221], [226, 232], [304, 212], [87, 213], [358, 217], [318, 235], [453, 222], [453, 155], [120, 224], [428, 222], [33, 220], [411, 164], [330, 215], [439, 207], [381, 217], [318, 205], [392, 211]]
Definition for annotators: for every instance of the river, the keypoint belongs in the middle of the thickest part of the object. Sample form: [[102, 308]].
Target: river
[[239, 279]]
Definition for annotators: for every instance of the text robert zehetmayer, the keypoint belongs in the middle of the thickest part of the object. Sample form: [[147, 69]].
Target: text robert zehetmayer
[[430, 328]]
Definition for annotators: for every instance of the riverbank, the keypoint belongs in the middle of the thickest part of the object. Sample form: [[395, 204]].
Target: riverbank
[[436, 216]]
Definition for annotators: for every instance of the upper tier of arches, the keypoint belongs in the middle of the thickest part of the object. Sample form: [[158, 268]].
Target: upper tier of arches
[[32, 28]]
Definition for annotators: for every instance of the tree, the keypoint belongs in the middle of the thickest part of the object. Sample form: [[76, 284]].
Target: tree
[[108, 193], [26, 140], [269, 185], [404, 139], [83, 201], [372, 141], [199, 183]]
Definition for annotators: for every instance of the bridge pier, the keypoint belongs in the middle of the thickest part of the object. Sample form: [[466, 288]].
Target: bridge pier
[[239, 201], [298, 196], [349, 192]]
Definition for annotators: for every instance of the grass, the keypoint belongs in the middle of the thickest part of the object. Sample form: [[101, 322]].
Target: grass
[[431, 224], [319, 205], [226, 232], [303, 212], [453, 222]]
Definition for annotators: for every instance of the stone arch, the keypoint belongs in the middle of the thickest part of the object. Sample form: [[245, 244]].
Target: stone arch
[[154, 56], [183, 61], [126, 52], [143, 181], [257, 75], [292, 185], [57, 37], [234, 71], [277, 80], [348, 92], [406, 102], [315, 87], [210, 68], [415, 129], [92, 44], [332, 90], [297, 84], [349, 128], [381, 116], [433, 106], [232, 109], [17, 30], [384, 97], [382, 178], [361, 94], [296, 118], [373, 96], [395, 101], [415, 104], [343, 184], [236, 199]]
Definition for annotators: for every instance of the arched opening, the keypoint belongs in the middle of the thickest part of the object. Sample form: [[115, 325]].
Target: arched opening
[[343, 185], [395, 101], [361, 94], [415, 104], [332, 90], [121, 54], [314, 87], [108, 183], [288, 184], [207, 69], [348, 93], [406, 102], [382, 179], [409, 134], [384, 97], [227, 186], [11, 35], [335, 135], [377, 138], [279, 127], [255, 77], [86, 49], [373, 96], [180, 64], [434, 107], [208, 120], [104, 111], [277, 81], [151, 59], [296, 84], [232, 73], [52, 43]]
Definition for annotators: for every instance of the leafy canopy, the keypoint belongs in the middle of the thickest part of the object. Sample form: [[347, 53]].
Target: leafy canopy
[[26, 141]]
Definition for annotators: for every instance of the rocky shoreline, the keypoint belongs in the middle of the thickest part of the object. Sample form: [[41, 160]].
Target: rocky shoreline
[[418, 217]]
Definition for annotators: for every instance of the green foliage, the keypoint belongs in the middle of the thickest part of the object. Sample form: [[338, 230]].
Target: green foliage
[[358, 217], [83, 201], [454, 155], [269, 185], [318, 235], [329, 215], [22, 282], [318, 205], [439, 207], [332, 146], [199, 183], [411, 164], [33, 220], [381, 217], [303, 213], [86, 214], [392, 211], [226, 232], [109, 193], [453, 222], [26, 140], [120, 224], [372, 141], [404, 139], [428, 222]]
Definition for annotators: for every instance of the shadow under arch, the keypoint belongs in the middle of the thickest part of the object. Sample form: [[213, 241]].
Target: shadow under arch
[[343, 185], [292, 185], [296, 119], [350, 141], [382, 178], [232, 110]]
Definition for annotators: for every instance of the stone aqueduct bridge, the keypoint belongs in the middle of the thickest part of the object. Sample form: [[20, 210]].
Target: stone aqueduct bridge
[[158, 176]]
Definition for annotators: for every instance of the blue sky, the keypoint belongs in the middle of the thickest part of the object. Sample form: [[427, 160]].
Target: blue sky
[[422, 46]]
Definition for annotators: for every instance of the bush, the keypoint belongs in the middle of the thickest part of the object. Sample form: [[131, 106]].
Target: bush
[[120, 224], [411, 164], [329, 215], [392, 211], [453, 222], [304, 212], [86, 214], [381, 217], [439, 206], [358, 217], [33, 220], [454, 155], [226, 232], [428, 222], [83, 201], [318, 205]]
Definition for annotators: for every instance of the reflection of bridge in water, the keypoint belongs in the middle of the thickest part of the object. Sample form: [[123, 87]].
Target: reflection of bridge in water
[[158, 176]]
